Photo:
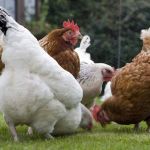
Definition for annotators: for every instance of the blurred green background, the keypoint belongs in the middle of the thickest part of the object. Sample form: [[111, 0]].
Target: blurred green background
[[113, 25]]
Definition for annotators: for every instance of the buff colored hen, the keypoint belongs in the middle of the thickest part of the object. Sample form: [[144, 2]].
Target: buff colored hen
[[130, 100]]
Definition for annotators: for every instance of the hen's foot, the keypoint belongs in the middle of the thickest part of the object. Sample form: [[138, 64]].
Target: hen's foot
[[136, 127], [12, 128], [148, 124], [30, 131], [48, 136]]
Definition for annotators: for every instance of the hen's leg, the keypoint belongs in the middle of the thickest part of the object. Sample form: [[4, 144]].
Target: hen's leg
[[12, 128], [30, 131], [148, 124], [136, 127], [48, 136]]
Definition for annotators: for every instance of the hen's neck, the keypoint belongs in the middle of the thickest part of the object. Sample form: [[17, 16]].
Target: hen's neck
[[55, 45]]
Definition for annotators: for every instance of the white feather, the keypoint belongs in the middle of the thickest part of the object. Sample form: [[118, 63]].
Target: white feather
[[79, 116], [107, 91], [145, 34], [70, 122], [83, 55]]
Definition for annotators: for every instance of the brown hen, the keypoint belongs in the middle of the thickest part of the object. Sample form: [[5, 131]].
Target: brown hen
[[130, 101], [60, 43]]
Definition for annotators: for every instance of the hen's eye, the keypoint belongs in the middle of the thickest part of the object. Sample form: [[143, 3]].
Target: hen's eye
[[70, 32], [108, 71]]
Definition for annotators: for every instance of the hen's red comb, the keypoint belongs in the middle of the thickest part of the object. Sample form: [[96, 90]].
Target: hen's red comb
[[70, 24], [95, 110]]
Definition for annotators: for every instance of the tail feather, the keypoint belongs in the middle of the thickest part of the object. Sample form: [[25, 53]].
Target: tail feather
[[145, 36], [83, 55], [85, 43]]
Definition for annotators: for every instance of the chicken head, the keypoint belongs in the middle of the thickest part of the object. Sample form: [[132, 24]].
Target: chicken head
[[108, 73], [73, 35], [99, 115]]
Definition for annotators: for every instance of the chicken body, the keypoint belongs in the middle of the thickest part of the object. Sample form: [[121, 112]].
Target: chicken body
[[130, 101], [130, 88], [34, 89], [91, 78], [62, 51]]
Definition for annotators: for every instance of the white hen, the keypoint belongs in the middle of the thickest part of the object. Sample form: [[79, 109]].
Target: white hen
[[79, 116], [91, 78], [91, 75], [34, 89]]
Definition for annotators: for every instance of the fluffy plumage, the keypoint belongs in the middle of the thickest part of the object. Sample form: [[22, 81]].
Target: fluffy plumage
[[130, 101], [34, 89], [79, 116], [86, 119], [69, 123]]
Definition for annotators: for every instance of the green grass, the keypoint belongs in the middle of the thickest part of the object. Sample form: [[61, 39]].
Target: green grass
[[113, 137]]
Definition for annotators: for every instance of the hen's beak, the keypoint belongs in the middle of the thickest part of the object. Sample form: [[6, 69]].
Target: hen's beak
[[80, 36]]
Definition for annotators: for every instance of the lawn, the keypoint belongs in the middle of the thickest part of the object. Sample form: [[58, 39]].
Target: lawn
[[113, 137]]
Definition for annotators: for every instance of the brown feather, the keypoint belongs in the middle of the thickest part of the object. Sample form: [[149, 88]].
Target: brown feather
[[61, 51]]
